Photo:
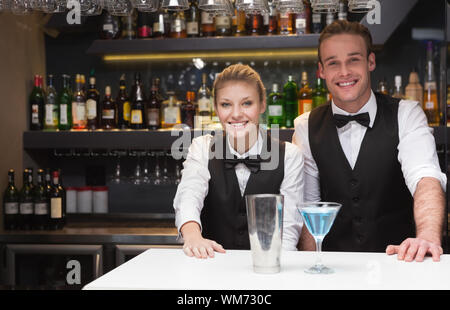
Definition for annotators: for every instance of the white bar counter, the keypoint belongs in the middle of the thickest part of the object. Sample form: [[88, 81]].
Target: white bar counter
[[171, 269]]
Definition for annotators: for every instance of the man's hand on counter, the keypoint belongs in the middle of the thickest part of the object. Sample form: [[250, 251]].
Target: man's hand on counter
[[415, 249], [196, 245]]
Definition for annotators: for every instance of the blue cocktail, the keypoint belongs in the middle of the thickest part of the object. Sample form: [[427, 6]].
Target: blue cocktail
[[318, 218]]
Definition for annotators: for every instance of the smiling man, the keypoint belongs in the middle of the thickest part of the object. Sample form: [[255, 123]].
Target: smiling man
[[373, 154]]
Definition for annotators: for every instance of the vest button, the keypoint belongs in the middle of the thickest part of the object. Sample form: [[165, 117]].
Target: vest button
[[355, 199], [241, 232], [353, 182]]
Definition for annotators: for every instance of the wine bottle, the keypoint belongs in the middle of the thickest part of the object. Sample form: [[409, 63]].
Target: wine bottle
[[178, 25], [92, 104], [192, 20], [123, 105], [188, 110], [208, 24], [26, 202], [154, 106], [79, 117], [145, 24], [65, 105], [276, 107], [430, 98], [109, 26], [137, 105], [37, 105], [204, 102], [290, 97], [108, 110], [51, 106], [11, 204], [305, 101], [41, 205], [57, 203], [319, 93]]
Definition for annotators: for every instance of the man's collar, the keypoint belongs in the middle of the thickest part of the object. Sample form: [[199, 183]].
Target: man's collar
[[370, 107]]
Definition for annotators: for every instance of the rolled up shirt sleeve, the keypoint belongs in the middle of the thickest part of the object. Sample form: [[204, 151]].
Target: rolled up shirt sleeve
[[417, 147], [292, 190], [194, 184]]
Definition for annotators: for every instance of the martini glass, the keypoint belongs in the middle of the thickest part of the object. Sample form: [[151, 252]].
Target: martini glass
[[318, 218]]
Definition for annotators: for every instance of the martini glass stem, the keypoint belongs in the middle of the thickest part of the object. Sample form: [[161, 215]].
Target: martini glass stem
[[319, 252]]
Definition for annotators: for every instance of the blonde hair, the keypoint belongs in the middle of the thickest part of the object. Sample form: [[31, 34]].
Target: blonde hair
[[239, 72]]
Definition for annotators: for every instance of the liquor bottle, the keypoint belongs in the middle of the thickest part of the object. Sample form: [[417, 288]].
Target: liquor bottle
[[37, 105], [83, 85], [290, 98], [223, 25], [204, 104], [154, 106], [26, 202], [208, 25], [159, 24], [316, 25], [276, 107], [123, 105], [301, 26], [286, 23], [129, 26], [430, 98], [255, 24], [92, 105], [192, 20], [137, 105], [188, 110], [342, 10], [383, 87], [79, 117], [108, 110], [41, 205], [65, 105], [319, 92], [398, 90], [272, 27], [305, 99], [307, 10], [110, 26], [170, 111], [178, 25], [11, 204], [414, 90], [57, 203], [144, 28], [51, 106], [213, 73], [330, 18], [240, 23]]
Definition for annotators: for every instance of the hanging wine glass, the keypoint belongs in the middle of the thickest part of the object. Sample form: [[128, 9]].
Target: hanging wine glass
[[4, 5], [253, 6], [325, 6], [146, 5], [175, 5], [360, 6], [119, 7], [289, 6], [95, 8], [21, 7]]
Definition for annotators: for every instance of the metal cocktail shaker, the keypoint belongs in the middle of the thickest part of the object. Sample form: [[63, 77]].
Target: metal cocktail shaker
[[265, 228]]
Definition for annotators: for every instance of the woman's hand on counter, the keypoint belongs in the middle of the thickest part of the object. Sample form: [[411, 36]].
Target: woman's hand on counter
[[196, 245]]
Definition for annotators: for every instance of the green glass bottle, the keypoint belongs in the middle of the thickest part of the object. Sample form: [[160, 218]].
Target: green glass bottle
[[319, 93], [41, 205], [37, 102], [26, 207], [290, 99], [11, 204], [65, 105], [276, 108], [51, 107]]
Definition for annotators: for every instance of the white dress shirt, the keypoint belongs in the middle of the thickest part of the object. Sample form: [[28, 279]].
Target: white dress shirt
[[193, 188], [416, 148]]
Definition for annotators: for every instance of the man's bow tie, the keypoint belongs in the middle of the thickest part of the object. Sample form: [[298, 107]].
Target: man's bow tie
[[253, 164], [342, 120]]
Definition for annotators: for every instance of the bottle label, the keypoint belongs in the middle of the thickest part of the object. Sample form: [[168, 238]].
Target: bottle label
[[108, 27], [49, 114], [11, 208], [223, 22], [153, 117], [91, 106], [136, 117], [63, 114], [56, 208], [429, 105], [204, 104], [79, 112], [192, 28], [300, 25], [178, 25], [306, 105], [126, 111], [26, 208], [316, 18], [170, 115], [35, 114], [207, 18], [108, 114], [275, 110], [41, 208]]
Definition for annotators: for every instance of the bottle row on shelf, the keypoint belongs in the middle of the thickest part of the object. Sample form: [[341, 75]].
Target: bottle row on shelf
[[195, 22], [40, 206]]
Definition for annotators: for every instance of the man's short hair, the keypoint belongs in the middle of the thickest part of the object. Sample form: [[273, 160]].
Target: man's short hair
[[346, 27]]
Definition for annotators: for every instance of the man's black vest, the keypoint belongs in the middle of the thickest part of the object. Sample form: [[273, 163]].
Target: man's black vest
[[377, 207], [224, 215]]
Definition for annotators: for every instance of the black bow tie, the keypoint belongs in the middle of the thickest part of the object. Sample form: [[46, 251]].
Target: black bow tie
[[342, 120], [253, 164]]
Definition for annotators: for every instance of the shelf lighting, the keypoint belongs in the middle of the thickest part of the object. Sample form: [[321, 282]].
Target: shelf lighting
[[303, 53]]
